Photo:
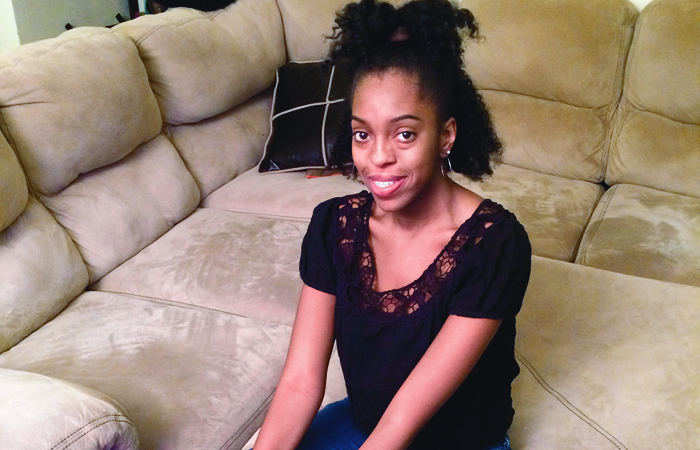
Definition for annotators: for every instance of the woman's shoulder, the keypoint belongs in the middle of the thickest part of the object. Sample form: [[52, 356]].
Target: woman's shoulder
[[492, 221], [342, 205]]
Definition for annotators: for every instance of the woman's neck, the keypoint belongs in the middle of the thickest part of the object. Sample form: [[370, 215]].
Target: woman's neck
[[439, 205]]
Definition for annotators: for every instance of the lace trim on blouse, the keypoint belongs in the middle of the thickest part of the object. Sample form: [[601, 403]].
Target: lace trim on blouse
[[358, 260]]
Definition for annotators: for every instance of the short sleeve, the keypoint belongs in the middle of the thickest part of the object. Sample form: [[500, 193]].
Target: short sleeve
[[493, 274], [316, 262]]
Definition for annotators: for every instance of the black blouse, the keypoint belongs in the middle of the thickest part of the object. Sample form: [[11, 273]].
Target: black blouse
[[482, 272]]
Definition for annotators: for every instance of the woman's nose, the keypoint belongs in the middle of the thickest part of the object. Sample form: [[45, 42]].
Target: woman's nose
[[382, 153]]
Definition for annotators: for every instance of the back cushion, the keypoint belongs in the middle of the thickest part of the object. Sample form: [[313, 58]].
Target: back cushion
[[550, 71], [75, 108], [657, 134], [203, 64], [210, 73], [40, 268]]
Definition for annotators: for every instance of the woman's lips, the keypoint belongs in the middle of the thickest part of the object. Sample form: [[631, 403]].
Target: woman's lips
[[384, 186]]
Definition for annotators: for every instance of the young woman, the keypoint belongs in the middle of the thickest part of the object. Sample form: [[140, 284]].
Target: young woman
[[419, 280]]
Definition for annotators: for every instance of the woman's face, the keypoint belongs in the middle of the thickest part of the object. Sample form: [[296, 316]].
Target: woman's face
[[398, 141]]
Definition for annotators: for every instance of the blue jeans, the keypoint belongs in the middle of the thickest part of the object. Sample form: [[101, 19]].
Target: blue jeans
[[334, 429]]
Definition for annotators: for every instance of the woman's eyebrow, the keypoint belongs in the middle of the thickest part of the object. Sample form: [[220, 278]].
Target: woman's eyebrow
[[395, 119], [406, 116]]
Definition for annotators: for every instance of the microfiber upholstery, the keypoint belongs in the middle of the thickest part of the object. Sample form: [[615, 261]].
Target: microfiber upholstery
[[203, 64], [12, 185], [42, 412], [552, 99], [40, 269], [647, 224], [82, 118], [189, 378], [56, 94], [645, 232], [657, 129]]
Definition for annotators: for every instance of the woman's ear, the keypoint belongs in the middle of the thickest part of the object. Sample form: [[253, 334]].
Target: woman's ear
[[449, 134]]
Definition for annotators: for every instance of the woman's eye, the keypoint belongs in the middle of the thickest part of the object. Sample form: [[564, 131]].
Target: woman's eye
[[406, 135], [360, 136]]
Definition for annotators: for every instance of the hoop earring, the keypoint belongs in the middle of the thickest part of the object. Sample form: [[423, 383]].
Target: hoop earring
[[449, 164]]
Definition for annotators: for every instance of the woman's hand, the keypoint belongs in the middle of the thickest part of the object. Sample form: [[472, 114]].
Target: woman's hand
[[445, 365], [301, 388]]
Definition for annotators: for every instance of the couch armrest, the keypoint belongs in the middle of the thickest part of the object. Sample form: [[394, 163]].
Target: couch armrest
[[39, 412]]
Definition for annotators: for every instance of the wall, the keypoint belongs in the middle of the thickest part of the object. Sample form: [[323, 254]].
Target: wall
[[8, 29], [640, 4], [41, 19]]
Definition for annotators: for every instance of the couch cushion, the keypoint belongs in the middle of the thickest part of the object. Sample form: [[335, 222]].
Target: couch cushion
[[644, 232], [220, 148], [554, 218], [40, 273], [552, 99], [657, 132], [283, 195], [220, 260], [75, 103], [608, 361], [189, 378], [42, 412], [202, 64], [114, 212], [13, 185]]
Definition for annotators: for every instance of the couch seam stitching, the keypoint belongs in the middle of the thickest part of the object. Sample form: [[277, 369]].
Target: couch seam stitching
[[247, 423], [92, 422], [176, 304], [567, 404], [98, 426]]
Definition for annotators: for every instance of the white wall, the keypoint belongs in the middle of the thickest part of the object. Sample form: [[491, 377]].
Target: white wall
[[640, 4], [41, 19], [8, 29]]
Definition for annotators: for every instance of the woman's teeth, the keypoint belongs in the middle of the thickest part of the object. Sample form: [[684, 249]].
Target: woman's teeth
[[383, 184]]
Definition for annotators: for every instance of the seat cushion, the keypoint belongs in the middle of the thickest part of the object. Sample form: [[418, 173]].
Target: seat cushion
[[231, 262], [644, 232], [189, 378], [608, 361], [554, 218]]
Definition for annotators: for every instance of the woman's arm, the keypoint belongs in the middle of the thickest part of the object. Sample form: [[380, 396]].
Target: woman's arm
[[443, 368], [301, 388]]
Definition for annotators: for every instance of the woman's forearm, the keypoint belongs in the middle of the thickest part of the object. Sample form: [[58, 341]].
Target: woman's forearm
[[303, 383], [293, 408]]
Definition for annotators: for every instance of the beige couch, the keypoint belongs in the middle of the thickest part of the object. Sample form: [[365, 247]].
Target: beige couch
[[148, 273]]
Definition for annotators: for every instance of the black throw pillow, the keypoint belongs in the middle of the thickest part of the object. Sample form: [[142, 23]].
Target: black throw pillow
[[307, 106]]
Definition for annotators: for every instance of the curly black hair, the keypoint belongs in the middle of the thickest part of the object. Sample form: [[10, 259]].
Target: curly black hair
[[423, 38]]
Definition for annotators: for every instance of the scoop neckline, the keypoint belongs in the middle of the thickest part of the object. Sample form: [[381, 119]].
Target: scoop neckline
[[365, 223]]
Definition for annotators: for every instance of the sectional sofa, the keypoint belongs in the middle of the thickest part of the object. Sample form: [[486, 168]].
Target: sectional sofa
[[148, 272]]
